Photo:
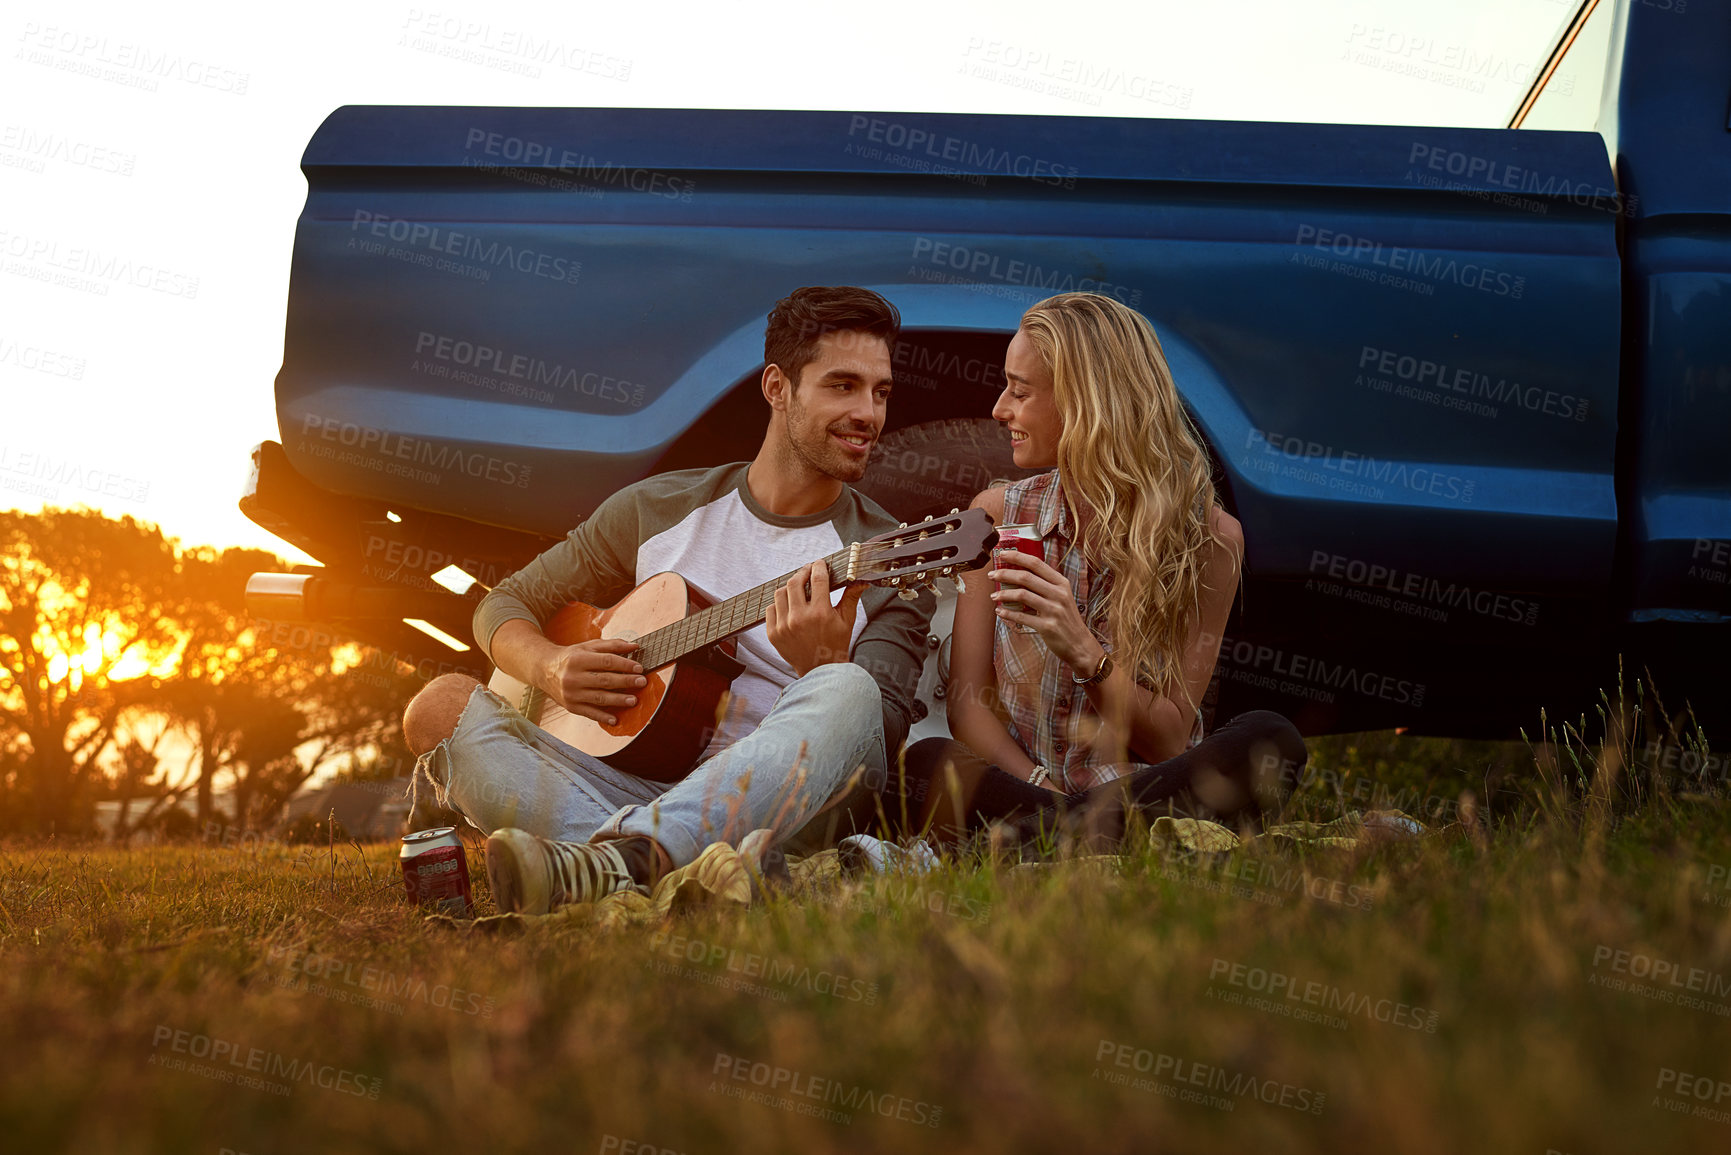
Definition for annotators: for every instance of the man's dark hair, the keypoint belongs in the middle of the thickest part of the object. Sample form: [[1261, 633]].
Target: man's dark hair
[[805, 315]]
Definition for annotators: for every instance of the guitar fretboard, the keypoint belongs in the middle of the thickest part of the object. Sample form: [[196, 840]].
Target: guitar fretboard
[[711, 624]]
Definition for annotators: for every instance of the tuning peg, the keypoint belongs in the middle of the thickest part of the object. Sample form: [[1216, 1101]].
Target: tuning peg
[[903, 525], [961, 586], [954, 511], [908, 595]]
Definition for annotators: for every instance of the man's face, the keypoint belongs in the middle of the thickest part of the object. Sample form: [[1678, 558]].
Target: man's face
[[837, 408]]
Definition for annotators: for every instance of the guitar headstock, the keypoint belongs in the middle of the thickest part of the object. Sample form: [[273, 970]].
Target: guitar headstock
[[919, 554]]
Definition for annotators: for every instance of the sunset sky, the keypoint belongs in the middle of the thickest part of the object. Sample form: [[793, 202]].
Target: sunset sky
[[145, 398]]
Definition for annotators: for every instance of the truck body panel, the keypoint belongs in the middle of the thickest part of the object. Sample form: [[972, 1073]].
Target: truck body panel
[[1469, 439]]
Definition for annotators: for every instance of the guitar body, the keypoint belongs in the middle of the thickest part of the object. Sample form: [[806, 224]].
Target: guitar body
[[688, 648], [662, 736]]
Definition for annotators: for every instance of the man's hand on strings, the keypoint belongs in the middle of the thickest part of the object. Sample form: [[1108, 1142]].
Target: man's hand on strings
[[596, 679], [804, 628]]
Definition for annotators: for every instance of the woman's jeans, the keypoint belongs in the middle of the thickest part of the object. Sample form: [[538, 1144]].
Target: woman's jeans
[[1245, 768]]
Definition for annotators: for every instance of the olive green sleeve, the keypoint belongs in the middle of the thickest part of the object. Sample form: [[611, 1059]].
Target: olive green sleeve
[[596, 563]]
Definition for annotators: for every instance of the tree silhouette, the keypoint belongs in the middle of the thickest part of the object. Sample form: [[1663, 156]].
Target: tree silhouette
[[137, 776], [84, 625], [265, 706], [110, 637]]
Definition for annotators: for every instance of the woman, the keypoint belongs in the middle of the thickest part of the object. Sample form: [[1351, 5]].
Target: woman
[[1096, 709]]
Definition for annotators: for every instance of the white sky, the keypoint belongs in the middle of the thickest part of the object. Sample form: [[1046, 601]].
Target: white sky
[[201, 180]]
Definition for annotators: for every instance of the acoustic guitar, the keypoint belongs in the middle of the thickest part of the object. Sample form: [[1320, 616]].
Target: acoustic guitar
[[688, 657]]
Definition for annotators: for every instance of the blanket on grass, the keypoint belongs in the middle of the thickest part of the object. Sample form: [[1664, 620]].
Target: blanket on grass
[[719, 875]]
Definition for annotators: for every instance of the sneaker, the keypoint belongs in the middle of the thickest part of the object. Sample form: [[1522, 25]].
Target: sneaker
[[765, 862], [863, 854], [531, 875]]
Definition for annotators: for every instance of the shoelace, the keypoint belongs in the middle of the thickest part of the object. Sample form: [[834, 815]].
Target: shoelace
[[585, 871]]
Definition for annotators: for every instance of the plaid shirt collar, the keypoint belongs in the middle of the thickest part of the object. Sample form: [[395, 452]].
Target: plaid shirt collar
[[1054, 512]]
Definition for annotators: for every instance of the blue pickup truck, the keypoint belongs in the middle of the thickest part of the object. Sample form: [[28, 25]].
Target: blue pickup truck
[[1468, 391]]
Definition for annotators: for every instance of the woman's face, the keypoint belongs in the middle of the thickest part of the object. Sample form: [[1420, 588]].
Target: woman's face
[[1026, 408]]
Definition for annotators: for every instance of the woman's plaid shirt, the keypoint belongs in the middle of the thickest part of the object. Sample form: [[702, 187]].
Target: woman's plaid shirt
[[1048, 714]]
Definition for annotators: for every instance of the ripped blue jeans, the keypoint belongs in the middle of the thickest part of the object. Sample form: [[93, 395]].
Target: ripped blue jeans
[[499, 769]]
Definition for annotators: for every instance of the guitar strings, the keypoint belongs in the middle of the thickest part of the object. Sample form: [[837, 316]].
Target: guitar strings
[[693, 631], [675, 640]]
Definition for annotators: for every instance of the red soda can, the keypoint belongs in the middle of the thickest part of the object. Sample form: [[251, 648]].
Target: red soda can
[[1022, 537], [436, 871]]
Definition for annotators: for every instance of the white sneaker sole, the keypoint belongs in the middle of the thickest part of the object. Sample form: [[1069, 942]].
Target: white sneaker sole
[[517, 872]]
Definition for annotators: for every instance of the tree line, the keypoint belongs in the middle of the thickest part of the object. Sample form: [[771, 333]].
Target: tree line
[[130, 671]]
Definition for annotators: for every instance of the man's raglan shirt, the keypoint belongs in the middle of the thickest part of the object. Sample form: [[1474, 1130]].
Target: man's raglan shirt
[[704, 525]]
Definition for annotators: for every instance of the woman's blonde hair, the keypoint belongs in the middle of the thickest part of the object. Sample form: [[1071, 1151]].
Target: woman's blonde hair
[[1130, 453]]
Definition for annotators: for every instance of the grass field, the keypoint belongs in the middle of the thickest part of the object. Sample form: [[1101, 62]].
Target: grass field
[[1550, 973]]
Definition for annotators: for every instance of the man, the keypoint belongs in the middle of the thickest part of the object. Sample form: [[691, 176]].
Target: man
[[804, 715]]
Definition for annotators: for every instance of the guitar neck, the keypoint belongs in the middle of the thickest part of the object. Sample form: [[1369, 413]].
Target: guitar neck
[[735, 615]]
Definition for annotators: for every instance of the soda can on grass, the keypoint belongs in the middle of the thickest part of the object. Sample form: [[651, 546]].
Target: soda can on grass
[[436, 871]]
